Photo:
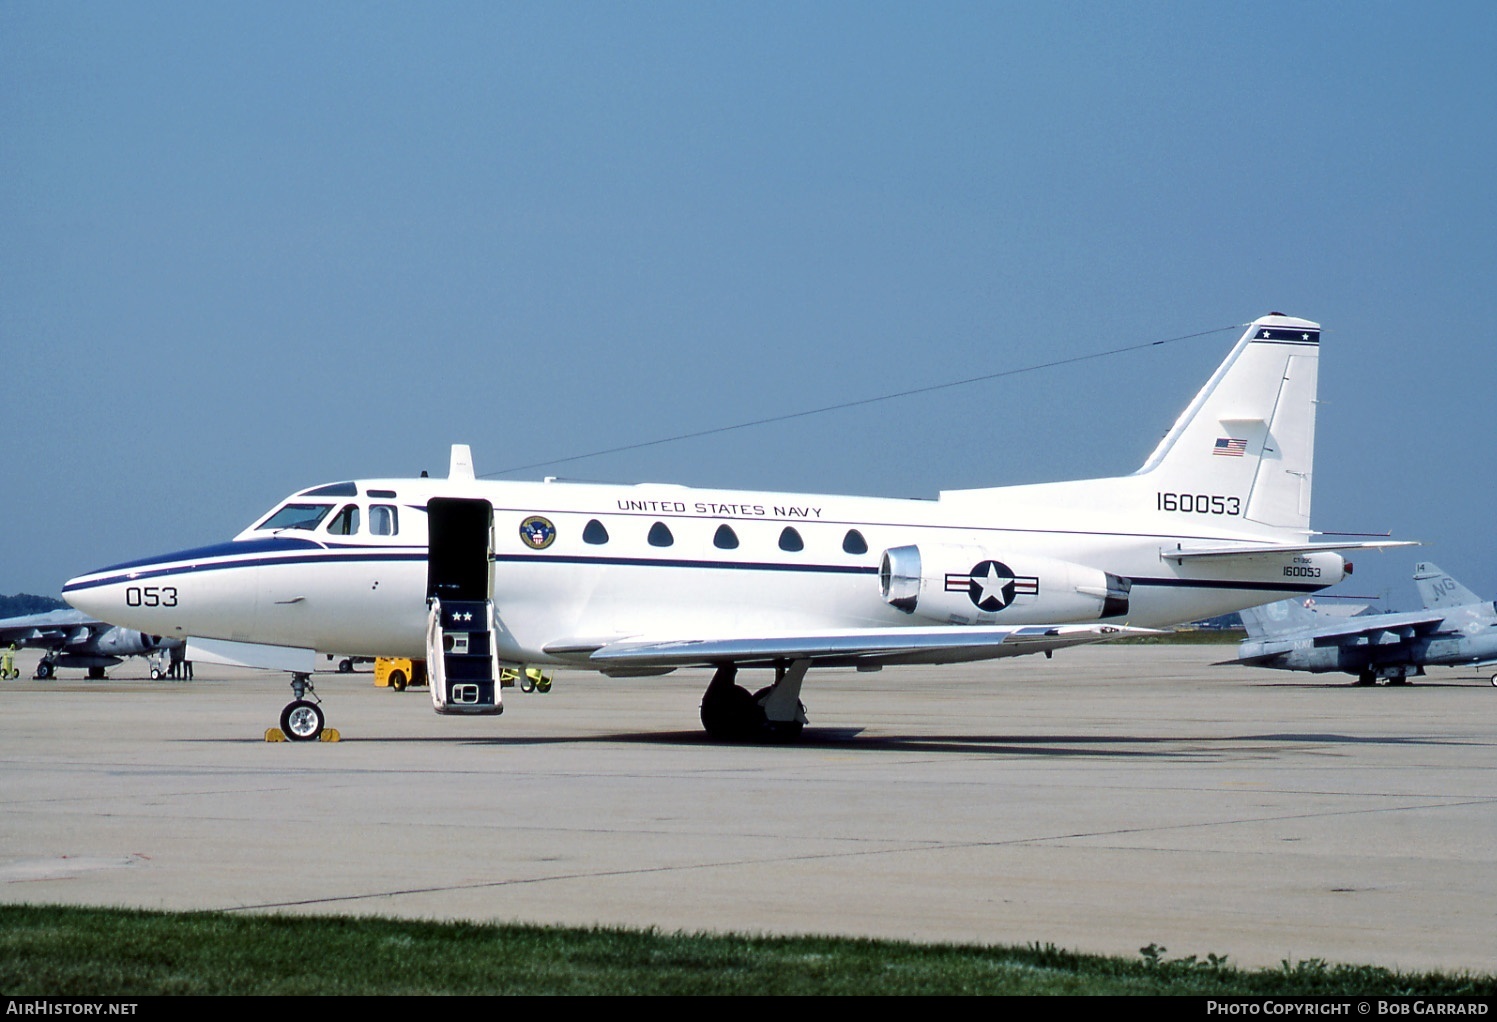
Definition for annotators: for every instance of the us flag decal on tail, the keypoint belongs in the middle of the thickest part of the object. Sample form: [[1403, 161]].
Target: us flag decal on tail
[[1226, 447]]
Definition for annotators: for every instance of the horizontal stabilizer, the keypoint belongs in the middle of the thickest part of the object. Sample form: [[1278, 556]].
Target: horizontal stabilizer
[[1240, 550]]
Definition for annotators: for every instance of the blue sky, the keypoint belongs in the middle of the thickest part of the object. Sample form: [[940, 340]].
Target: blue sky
[[254, 247]]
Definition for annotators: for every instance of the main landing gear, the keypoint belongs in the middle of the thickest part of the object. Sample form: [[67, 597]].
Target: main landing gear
[[730, 713], [302, 720], [1395, 675]]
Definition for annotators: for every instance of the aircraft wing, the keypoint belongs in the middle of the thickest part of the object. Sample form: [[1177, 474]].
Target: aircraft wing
[[851, 647], [1379, 629], [51, 630]]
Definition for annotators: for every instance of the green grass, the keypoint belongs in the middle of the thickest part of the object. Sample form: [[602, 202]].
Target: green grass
[[59, 951], [1195, 637]]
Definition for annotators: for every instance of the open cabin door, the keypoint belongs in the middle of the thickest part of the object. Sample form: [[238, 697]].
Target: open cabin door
[[461, 656]]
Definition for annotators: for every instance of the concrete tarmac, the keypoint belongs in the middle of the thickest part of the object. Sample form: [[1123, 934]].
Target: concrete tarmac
[[1100, 801]]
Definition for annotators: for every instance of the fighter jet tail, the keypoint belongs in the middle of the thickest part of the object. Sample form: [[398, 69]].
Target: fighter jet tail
[[1439, 590]]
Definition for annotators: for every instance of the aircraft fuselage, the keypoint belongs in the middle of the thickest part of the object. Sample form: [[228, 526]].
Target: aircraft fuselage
[[582, 561]]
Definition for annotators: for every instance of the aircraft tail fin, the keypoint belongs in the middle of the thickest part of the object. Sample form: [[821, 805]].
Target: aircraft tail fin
[[1245, 445], [1437, 590], [1286, 617]]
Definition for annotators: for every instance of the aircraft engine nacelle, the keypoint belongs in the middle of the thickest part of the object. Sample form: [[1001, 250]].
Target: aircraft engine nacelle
[[126, 642], [970, 585]]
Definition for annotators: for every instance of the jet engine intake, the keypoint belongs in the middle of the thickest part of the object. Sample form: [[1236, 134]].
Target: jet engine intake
[[126, 642]]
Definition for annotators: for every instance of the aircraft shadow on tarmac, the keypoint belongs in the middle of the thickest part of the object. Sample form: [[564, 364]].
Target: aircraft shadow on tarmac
[[1162, 747]]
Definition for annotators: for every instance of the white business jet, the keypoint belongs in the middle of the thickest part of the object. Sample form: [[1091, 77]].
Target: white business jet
[[476, 575]]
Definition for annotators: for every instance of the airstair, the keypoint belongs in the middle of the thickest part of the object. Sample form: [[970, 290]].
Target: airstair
[[461, 661]]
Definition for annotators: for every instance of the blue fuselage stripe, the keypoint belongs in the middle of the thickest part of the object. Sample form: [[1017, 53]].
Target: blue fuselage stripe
[[145, 570]]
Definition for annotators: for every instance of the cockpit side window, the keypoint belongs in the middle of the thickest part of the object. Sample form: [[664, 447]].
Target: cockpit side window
[[345, 522], [383, 520], [295, 516]]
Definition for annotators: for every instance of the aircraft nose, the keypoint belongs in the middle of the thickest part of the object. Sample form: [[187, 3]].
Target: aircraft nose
[[78, 597], [93, 593], [118, 593]]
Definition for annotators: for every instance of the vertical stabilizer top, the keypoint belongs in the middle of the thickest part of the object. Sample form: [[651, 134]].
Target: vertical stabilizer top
[[1438, 590], [1251, 429]]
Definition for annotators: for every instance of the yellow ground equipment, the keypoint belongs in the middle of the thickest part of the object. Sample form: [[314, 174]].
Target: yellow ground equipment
[[398, 672], [530, 679]]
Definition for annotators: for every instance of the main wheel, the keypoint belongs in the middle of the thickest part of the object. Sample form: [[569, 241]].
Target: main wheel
[[96, 674], [731, 715], [301, 721], [44, 670]]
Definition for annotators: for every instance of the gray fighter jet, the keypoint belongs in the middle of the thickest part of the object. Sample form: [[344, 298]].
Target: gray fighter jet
[[1455, 629], [73, 639]]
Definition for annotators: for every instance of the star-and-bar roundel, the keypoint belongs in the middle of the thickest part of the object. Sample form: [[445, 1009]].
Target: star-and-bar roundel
[[992, 586]]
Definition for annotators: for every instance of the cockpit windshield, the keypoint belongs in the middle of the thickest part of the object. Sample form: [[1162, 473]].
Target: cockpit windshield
[[295, 516]]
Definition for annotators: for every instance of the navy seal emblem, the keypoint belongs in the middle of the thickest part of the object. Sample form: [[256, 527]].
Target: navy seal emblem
[[537, 532]]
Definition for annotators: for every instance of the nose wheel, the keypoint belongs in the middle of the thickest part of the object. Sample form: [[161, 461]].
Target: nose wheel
[[302, 719]]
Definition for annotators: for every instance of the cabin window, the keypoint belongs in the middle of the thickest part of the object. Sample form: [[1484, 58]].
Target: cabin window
[[725, 538], [296, 516], [790, 540], [595, 533], [383, 520], [345, 522], [660, 535], [854, 543], [387, 494]]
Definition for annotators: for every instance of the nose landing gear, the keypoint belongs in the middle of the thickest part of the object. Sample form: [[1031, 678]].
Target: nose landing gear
[[302, 719]]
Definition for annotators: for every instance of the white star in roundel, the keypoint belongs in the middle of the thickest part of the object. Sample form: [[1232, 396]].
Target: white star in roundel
[[992, 585]]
